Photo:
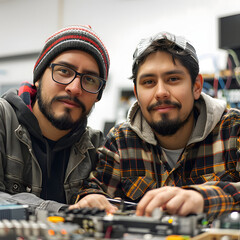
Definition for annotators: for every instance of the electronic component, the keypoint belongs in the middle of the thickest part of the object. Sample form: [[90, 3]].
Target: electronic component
[[13, 211], [116, 226], [228, 221], [93, 223], [96, 223]]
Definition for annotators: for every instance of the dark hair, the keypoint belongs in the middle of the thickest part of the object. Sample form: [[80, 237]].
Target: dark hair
[[176, 52]]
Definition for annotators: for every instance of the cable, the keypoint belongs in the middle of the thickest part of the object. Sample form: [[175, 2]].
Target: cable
[[215, 86], [234, 56], [229, 78], [236, 62]]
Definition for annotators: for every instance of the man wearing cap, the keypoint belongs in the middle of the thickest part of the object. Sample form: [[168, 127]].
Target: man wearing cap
[[179, 149], [47, 150]]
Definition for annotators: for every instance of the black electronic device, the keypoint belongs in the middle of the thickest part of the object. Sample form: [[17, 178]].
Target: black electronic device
[[229, 34], [94, 223], [97, 223]]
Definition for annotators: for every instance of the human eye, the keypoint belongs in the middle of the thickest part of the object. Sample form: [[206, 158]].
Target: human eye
[[90, 79], [173, 79], [148, 82], [63, 71]]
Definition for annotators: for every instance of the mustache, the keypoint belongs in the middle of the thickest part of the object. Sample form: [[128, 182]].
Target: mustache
[[165, 102], [73, 99]]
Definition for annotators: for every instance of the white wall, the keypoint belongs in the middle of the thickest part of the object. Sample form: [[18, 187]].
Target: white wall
[[25, 24]]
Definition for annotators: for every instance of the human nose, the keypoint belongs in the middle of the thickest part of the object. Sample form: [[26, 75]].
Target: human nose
[[74, 88], [162, 91]]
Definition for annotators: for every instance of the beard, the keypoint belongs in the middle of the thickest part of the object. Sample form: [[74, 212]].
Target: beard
[[166, 126], [64, 122]]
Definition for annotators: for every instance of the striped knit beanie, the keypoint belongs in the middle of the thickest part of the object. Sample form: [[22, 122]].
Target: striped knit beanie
[[74, 37]]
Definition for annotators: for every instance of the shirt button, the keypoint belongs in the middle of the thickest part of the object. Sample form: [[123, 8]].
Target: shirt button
[[20, 132], [15, 186], [28, 189]]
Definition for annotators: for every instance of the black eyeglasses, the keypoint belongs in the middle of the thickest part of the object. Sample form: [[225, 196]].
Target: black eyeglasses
[[65, 75]]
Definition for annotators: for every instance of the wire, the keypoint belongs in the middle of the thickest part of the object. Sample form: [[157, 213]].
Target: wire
[[229, 78], [221, 82], [215, 86], [108, 232], [236, 62], [234, 56]]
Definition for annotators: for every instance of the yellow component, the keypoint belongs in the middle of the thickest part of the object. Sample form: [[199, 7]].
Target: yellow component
[[176, 237], [170, 220], [55, 219]]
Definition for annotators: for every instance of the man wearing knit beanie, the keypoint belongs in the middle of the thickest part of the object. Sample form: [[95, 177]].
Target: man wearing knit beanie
[[47, 150]]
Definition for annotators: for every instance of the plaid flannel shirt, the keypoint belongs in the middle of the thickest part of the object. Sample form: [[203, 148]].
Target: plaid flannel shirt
[[129, 164]]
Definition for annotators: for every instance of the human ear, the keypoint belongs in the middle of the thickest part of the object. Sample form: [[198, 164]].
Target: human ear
[[135, 91], [197, 88], [37, 83]]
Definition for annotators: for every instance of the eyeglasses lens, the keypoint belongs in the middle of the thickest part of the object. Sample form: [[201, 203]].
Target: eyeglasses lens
[[65, 75]]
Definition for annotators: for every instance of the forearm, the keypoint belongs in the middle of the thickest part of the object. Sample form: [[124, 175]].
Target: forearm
[[34, 202]]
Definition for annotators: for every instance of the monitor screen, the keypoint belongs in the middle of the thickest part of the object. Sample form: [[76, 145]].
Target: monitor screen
[[229, 32]]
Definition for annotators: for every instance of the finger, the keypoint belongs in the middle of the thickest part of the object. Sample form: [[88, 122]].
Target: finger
[[92, 200], [193, 203], [174, 204], [157, 198], [101, 202], [160, 200], [144, 202], [71, 207], [152, 199], [105, 204], [89, 202], [184, 210]]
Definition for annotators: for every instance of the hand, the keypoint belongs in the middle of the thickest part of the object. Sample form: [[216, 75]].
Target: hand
[[174, 200], [95, 200]]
